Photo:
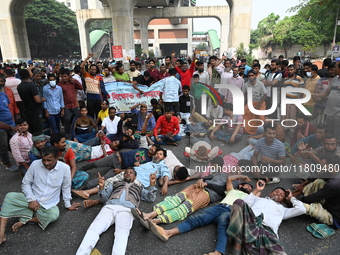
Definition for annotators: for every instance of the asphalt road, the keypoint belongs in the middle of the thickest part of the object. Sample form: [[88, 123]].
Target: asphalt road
[[65, 235]]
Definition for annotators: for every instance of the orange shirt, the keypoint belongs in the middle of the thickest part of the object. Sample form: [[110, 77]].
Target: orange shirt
[[92, 83], [68, 156]]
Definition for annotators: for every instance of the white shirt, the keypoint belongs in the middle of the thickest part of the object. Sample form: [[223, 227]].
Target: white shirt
[[97, 151], [44, 186], [215, 113], [274, 213], [109, 78], [172, 161], [271, 78], [204, 77], [111, 125]]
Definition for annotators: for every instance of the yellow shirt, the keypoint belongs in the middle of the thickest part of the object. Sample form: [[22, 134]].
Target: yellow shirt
[[232, 195], [103, 114]]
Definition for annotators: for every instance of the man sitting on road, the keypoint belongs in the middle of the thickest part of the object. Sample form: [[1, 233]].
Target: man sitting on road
[[83, 127], [169, 129], [40, 197]]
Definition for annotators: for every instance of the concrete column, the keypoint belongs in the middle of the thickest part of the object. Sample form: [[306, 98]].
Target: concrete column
[[13, 35], [156, 47], [189, 47], [224, 33], [122, 22], [240, 23], [144, 33], [84, 35]]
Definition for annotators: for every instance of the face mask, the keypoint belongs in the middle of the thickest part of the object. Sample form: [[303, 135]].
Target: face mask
[[53, 83], [309, 74], [252, 79], [200, 70], [235, 75]]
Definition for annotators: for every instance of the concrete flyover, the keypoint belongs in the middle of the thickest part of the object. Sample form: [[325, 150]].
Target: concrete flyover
[[235, 22]]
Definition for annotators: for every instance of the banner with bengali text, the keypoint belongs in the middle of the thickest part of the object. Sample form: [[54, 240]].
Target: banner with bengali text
[[122, 95]]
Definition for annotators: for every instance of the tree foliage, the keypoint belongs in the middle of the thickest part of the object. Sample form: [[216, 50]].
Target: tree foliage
[[202, 46], [100, 25], [51, 24], [320, 13], [241, 52]]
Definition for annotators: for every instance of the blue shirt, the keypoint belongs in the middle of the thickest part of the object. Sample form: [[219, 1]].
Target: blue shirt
[[5, 113], [171, 87], [144, 171], [54, 99], [44, 186], [311, 140], [130, 157], [151, 123]]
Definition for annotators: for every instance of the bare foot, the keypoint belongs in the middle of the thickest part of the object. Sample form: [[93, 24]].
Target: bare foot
[[148, 216], [16, 226], [90, 202], [295, 186], [156, 221], [81, 193], [3, 239]]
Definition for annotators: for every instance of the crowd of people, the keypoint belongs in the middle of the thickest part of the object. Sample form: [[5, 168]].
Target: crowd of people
[[51, 119]]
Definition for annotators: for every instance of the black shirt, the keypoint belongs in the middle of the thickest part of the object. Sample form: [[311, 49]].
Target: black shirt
[[186, 103], [142, 81], [27, 91]]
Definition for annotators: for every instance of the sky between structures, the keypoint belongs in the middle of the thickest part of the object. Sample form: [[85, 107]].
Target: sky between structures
[[261, 9]]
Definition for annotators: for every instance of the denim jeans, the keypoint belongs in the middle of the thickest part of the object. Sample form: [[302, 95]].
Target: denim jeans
[[253, 141], [219, 214], [69, 115], [54, 121], [166, 140]]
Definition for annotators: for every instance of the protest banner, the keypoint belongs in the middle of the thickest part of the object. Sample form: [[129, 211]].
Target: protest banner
[[122, 95]]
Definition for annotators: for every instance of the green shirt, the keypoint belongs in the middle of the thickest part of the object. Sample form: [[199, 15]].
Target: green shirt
[[197, 90], [232, 195], [124, 76]]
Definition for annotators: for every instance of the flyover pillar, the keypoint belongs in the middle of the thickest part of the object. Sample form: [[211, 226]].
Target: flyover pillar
[[144, 34], [240, 24], [122, 22], [13, 35]]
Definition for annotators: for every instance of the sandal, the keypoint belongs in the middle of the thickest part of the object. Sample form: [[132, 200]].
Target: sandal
[[323, 233], [79, 193], [314, 227], [140, 217]]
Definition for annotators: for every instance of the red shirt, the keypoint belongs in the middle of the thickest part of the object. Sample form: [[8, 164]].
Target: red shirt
[[70, 93], [154, 74], [12, 104], [161, 76], [166, 126], [68, 156], [187, 75]]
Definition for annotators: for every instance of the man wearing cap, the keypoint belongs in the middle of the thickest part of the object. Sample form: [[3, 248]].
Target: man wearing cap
[[218, 214], [39, 142]]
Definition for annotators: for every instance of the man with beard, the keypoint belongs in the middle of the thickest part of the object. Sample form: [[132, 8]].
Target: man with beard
[[259, 95], [93, 88], [184, 72], [133, 72], [303, 129], [235, 80], [268, 214], [332, 110], [111, 124], [108, 77], [119, 199], [273, 79], [292, 81], [141, 117], [152, 70], [218, 214], [39, 142], [162, 73], [67, 156]]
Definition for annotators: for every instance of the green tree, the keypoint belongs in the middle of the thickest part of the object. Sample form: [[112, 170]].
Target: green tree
[[100, 25], [242, 52], [282, 34], [202, 46], [266, 27], [138, 50], [51, 24], [322, 14]]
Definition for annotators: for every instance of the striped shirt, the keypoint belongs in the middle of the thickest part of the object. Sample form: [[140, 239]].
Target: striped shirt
[[273, 151], [92, 83], [295, 82]]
